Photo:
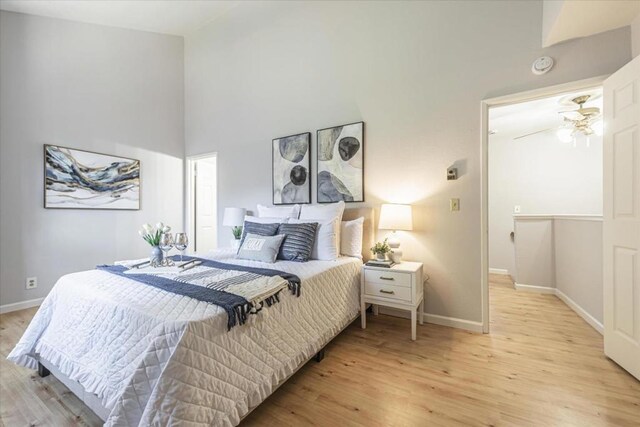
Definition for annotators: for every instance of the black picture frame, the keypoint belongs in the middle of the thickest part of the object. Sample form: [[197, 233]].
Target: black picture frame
[[48, 205], [284, 188], [324, 196]]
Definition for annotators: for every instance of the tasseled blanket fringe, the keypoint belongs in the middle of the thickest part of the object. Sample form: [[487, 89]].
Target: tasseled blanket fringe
[[240, 313]]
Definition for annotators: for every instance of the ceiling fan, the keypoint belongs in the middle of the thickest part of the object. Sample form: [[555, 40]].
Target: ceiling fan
[[584, 120]]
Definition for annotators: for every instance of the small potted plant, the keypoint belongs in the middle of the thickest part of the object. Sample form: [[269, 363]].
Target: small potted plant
[[381, 249], [152, 235]]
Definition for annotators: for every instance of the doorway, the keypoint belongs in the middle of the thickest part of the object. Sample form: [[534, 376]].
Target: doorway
[[494, 103], [202, 206]]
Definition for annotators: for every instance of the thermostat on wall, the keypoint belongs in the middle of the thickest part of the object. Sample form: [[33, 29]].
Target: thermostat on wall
[[542, 65]]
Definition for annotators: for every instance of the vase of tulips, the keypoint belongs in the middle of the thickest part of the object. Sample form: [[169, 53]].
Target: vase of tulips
[[152, 235]]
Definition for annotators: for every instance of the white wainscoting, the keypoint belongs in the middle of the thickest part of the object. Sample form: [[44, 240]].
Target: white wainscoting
[[562, 255]]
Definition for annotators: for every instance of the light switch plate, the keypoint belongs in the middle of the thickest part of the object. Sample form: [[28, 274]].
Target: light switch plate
[[454, 205]]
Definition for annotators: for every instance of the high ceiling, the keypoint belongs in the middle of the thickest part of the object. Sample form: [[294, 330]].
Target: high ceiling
[[569, 19], [512, 121], [168, 17]]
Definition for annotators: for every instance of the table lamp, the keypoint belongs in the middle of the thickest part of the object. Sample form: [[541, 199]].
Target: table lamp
[[395, 217], [234, 218]]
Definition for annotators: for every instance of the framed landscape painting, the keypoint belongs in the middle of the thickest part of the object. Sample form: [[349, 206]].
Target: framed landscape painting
[[341, 163], [291, 163], [78, 179]]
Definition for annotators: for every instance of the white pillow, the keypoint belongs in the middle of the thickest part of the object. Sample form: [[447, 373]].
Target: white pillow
[[351, 237], [265, 220], [326, 212], [279, 211], [326, 246], [323, 212]]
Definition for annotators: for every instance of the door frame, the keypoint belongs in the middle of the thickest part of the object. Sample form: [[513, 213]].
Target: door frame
[[189, 194], [485, 105]]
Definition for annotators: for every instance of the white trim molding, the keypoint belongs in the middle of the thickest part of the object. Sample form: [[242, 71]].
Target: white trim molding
[[8, 308], [536, 289], [525, 217], [592, 321], [500, 271], [452, 322]]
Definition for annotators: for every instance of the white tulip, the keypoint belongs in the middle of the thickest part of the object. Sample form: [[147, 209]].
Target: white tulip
[[166, 229], [159, 226], [141, 232], [148, 228]]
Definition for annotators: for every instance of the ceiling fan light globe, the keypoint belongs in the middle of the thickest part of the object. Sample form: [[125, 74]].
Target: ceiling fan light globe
[[598, 127], [565, 135]]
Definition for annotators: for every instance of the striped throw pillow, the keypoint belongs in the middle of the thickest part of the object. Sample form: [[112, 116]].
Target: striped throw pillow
[[298, 241], [259, 229]]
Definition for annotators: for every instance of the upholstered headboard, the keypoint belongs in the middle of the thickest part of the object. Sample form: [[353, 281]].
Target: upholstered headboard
[[368, 234]]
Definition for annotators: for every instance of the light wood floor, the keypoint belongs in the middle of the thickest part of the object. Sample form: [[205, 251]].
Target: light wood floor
[[540, 366]]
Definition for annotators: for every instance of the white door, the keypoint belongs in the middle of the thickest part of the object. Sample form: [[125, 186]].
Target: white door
[[205, 205], [621, 226]]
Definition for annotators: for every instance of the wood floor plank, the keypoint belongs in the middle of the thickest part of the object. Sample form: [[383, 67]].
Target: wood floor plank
[[542, 365]]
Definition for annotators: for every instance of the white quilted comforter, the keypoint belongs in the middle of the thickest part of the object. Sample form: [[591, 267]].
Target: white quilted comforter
[[156, 358]]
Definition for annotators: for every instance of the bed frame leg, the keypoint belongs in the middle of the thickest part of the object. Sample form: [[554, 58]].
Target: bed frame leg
[[320, 356], [42, 371]]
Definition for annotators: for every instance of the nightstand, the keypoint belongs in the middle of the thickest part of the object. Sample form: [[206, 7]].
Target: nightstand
[[397, 287]]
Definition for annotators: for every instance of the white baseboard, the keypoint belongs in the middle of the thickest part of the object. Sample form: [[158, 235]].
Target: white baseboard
[[536, 289], [501, 271], [595, 324], [8, 308], [452, 322]]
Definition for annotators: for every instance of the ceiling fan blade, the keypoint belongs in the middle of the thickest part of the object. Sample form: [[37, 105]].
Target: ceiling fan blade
[[572, 115], [532, 133]]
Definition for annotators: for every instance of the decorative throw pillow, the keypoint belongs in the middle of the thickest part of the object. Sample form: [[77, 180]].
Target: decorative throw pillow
[[260, 248], [279, 211], [298, 241], [265, 220], [269, 229], [351, 237], [323, 212], [326, 245], [327, 212]]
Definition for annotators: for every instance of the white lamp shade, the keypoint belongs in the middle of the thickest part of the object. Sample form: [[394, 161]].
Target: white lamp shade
[[233, 217], [395, 217]]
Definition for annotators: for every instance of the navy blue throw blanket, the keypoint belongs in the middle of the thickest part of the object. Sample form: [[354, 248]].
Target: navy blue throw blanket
[[237, 307]]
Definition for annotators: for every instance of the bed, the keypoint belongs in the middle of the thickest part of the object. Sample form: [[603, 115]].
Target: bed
[[138, 356]]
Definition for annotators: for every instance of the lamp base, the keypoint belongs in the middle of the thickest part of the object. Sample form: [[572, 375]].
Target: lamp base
[[393, 241], [396, 255]]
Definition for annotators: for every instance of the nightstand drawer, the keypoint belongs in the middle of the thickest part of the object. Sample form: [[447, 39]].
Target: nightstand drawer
[[388, 278], [387, 290]]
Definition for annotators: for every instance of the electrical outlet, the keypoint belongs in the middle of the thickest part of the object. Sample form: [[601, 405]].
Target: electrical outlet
[[454, 205], [32, 282], [516, 209]]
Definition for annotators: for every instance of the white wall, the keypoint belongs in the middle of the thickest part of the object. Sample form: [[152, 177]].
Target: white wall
[[534, 253], [415, 72], [562, 255], [90, 87], [542, 176], [578, 263], [635, 37]]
